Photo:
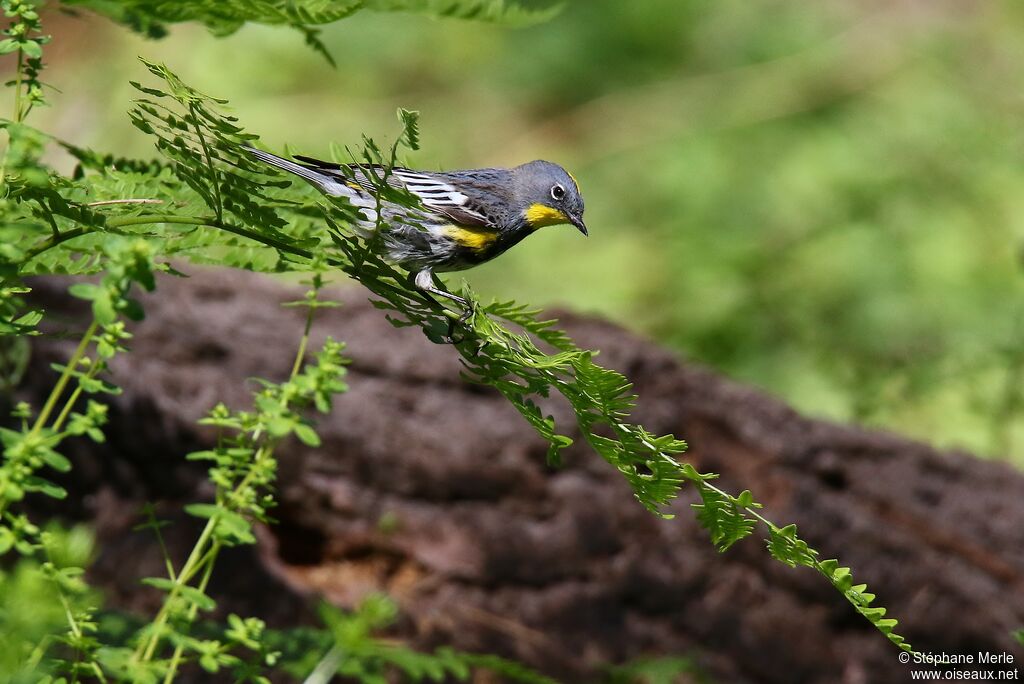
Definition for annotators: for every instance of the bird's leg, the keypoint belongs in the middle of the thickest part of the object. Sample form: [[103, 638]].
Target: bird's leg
[[424, 281], [426, 295]]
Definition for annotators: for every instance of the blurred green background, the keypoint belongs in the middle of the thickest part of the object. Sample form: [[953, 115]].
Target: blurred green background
[[825, 199]]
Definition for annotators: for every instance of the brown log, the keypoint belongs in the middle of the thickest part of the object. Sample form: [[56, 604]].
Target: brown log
[[436, 492]]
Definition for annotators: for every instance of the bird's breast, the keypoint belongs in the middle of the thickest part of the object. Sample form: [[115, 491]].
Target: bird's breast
[[472, 238]]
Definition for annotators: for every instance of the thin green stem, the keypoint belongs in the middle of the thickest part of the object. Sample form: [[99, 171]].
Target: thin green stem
[[326, 668], [168, 563], [65, 377], [195, 561], [55, 395], [303, 343], [72, 623], [200, 557], [16, 118], [1010, 402], [32, 664], [146, 219], [55, 231], [187, 570], [209, 164], [193, 609], [70, 403], [17, 87], [172, 668], [76, 630], [98, 672]]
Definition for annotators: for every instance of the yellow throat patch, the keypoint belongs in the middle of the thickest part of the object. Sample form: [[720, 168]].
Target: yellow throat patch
[[476, 239], [540, 215]]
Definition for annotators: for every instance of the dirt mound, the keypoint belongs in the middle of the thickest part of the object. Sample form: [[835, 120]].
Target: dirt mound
[[436, 491]]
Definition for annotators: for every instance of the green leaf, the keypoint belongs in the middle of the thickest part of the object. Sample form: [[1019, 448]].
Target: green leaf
[[121, 662], [87, 291], [231, 526], [34, 483], [55, 460], [103, 308], [723, 517], [307, 435], [206, 511], [7, 540], [785, 546], [31, 49], [411, 130], [190, 594]]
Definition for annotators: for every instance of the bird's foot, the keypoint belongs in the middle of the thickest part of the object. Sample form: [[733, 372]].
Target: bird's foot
[[460, 322]]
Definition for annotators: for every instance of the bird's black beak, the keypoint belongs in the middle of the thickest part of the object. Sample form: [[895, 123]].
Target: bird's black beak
[[578, 222]]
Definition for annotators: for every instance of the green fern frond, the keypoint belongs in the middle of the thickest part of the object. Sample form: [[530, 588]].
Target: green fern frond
[[786, 547], [224, 17], [506, 12], [723, 516], [368, 658], [240, 214]]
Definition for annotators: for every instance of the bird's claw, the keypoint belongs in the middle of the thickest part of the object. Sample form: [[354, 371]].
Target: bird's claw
[[467, 314]]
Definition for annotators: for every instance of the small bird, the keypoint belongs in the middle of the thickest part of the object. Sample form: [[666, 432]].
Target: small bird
[[465, 217]]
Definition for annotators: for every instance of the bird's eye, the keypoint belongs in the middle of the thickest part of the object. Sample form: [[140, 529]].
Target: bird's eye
[[557, 192]]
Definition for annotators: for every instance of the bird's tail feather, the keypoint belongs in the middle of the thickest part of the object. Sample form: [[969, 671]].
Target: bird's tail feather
[[327, 183]]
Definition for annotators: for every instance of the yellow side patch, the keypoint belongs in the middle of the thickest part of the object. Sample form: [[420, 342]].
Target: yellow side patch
[[540, 215], [473, 238]]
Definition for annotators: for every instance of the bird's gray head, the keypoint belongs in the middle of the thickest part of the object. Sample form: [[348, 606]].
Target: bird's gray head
[[548, 195]]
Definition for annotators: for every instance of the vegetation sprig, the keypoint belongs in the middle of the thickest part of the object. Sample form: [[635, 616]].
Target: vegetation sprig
[[207, 201]]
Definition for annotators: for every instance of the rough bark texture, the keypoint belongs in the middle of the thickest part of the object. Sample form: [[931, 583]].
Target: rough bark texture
[[437, 492]]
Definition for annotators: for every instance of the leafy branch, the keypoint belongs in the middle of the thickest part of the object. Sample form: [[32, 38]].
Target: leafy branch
[[355, 652], [216, 205], [25, 38], [33, 447], [243, 471], [224, 17], [492, 350]]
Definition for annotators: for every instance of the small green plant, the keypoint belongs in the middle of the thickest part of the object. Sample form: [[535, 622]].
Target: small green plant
[[353, 651], [32, 449], [206, 201], [657, 671], [243, 473]]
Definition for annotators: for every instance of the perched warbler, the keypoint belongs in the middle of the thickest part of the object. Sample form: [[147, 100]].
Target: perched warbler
[[464, 218]]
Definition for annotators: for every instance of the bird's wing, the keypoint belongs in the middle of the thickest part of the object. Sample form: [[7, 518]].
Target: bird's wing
[[437, 193], [440, 195]]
